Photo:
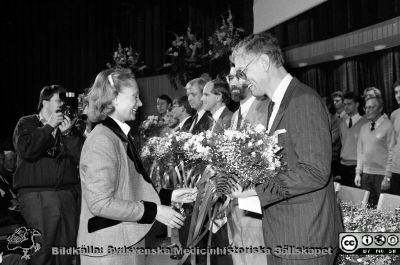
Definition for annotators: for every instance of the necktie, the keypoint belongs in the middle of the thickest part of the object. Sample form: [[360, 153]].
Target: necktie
[[372, 126], [350, 123], [270, 109], [194, 122], [239, 119]]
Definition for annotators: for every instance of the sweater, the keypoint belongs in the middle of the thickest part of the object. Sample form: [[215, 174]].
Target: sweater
[[36, 170], [374, 148], [395, 118], [349, 139]]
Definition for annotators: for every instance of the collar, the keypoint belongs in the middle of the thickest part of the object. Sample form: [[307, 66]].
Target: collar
[[281, 90], [380, 120], [124, 127], [200, 114], [218, 113], [183, 122], [354, 119], [42, 119], [246, 106]]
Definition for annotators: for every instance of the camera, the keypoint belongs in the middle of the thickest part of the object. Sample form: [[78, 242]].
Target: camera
[[72, 106]]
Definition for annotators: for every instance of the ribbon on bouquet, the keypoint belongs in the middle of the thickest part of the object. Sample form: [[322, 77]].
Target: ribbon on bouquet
[[203, 205]]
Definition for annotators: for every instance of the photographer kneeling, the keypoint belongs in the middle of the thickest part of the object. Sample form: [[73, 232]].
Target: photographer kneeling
[[47, 176]]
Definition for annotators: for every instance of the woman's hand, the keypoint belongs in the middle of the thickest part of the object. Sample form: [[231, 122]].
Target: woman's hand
[[184, 195], [169, 216]]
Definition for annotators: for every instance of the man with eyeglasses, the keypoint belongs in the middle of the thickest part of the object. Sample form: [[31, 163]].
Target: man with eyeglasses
[[245, 228], [306, 212], [374, 151], [48, 148]]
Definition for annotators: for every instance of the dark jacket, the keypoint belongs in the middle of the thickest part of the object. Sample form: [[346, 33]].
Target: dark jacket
[[206, 122], [36, 168]]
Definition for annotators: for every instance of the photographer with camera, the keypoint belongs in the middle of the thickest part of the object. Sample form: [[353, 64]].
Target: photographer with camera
[[48, 146]]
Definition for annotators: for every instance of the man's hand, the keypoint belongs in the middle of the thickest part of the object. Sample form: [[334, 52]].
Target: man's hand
[[184, 195], [385, 185], [55, 119], [169, 216], [357, 180], [65, 125]]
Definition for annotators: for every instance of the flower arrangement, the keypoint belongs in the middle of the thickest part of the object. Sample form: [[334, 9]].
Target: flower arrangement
[[249, 156], [185, 57], [127, 58], [151, 127], [225, 37], [185, 46], [358, 219]]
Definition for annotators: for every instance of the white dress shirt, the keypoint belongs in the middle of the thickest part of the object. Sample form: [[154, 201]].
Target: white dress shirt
[[277, 97], [218, 113], [182, 123], [354, 119], [124, 127], [200, 114], [244, 109]]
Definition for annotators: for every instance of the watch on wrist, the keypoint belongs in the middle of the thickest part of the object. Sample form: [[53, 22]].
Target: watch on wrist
[[387, 179]]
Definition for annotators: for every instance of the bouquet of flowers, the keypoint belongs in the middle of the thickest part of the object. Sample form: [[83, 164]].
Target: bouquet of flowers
[[359, 219], [249, 157], [151, 127], [224, 38], [127, 58], [185, 57], [172, 155]]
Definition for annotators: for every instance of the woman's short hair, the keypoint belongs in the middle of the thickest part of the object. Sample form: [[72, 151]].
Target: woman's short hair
[[107, 85], [48, 92]]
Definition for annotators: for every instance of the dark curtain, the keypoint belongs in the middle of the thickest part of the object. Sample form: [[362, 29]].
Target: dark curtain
[[333, 18], [378, 69], [68, 42]]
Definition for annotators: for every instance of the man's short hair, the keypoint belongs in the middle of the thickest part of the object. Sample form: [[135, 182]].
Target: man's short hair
[[221, 88], [261, 43], [197, 82], [378, 98], [337, 94], [376, 92], [183, 101], [48, 92], [396, 84], [352, 96], [166, 98]]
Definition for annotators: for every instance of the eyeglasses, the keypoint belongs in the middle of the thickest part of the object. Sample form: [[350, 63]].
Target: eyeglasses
[[241, 74]]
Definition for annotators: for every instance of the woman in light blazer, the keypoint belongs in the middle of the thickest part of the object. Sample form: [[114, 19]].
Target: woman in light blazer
[[119, 202]]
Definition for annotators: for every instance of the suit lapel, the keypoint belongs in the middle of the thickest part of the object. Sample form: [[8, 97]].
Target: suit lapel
[[285, 102]]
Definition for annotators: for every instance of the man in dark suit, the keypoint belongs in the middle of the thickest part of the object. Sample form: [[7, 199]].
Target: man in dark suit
[[202, 120], [183, 112], [215, 97], [306, 215]]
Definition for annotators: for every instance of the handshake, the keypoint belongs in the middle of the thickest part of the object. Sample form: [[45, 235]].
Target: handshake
[[170, 217]]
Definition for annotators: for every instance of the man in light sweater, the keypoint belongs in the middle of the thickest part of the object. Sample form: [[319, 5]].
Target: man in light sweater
[[349, 132], [374, 151], [395, 118]]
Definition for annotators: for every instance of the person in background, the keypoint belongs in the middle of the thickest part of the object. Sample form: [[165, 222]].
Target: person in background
[[183, 112], [371, 92], [374, 151], [201, 120], [350, 131], [48, 149], [337, 97], [395, 118], [164, 104], [335, 133], [215, 97]]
